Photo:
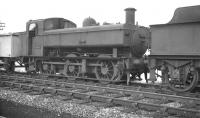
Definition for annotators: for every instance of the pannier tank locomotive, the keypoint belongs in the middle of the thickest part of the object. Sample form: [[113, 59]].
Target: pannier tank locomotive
[[108, 52]]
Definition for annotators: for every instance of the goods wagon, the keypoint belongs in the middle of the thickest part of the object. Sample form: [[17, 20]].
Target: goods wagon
[[175, 49], [10, 48], [10, 45]]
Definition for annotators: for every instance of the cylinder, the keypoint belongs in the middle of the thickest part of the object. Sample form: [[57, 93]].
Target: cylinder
[[130, 16]]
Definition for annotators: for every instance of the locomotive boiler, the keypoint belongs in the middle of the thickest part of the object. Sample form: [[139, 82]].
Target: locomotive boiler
[[57, 46]]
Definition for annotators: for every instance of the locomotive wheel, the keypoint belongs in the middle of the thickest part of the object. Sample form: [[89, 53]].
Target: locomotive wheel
[[47, 69], [73, 70], [106, 71], [182, 85]]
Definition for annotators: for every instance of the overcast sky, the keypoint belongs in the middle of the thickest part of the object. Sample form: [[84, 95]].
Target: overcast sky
[[15, 13]]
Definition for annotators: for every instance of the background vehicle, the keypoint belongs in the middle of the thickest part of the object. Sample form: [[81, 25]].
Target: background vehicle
[[175, 49]]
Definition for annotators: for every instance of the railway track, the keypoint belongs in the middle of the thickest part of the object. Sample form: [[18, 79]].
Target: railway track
[[118, 84], [163, 104], [157, 88], [132, 85]]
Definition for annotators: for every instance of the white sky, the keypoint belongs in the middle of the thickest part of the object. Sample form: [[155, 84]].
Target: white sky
[[15, 13]]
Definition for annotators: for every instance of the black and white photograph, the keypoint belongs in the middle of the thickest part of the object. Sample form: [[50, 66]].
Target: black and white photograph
[[100, 59]]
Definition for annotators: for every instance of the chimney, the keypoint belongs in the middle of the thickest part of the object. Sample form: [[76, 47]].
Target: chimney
[[130, 16]]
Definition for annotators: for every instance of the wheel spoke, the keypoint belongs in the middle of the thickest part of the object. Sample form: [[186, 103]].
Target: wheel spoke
[[110, 67], [110, 75], [106, 71], [107, 77], [111, 71]]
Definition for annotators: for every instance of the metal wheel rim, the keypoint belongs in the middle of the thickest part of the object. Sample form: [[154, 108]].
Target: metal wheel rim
[[110, 75]]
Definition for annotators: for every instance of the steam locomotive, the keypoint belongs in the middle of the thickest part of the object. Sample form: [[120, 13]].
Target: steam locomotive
[[110, 52], [57, 46]]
